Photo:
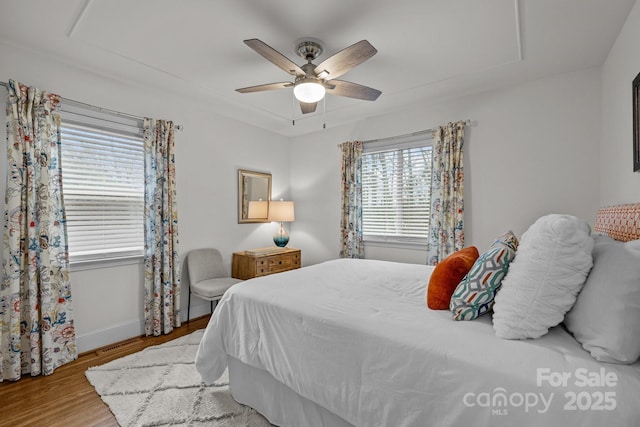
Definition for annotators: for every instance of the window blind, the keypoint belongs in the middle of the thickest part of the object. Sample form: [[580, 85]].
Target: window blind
[[396, 187], [103, 184]]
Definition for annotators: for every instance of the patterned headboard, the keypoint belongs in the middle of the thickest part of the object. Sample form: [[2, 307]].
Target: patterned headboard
[[620, 222]]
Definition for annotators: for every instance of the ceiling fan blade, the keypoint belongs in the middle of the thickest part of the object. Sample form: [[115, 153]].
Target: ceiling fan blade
[[308, 107], [352, 90], [268, 86], [275, 57], [346, 59]]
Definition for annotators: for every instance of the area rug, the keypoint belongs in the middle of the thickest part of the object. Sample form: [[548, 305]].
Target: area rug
[[160, 386]]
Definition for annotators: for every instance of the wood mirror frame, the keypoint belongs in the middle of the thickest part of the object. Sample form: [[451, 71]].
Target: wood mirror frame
[[254, 194], [636, 124]]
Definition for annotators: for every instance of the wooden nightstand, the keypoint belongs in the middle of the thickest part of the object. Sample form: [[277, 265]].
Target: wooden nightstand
[[261, 262]]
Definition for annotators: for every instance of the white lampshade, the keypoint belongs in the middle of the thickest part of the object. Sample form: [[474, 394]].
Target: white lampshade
[[309, 91], [258, 209], [281, 211]]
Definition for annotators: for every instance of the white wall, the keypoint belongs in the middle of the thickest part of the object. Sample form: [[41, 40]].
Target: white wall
[[108, 301], [534, 150], [619, 184]]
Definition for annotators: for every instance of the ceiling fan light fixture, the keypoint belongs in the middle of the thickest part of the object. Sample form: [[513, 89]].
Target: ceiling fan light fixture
[[308, 91]]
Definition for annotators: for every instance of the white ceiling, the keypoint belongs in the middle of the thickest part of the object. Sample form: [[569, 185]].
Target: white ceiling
[[427, 49]]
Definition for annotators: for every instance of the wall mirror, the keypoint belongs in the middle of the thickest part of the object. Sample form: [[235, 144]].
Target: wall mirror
[[254, 193]]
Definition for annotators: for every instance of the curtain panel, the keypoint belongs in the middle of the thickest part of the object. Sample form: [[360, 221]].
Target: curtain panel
[[351, 242], [162, 262], [36, 316], [446, 226]]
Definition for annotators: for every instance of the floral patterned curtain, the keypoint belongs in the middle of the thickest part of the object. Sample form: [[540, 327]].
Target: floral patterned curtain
[[446, 228], [351, 244], [36, 317], [162, 262]]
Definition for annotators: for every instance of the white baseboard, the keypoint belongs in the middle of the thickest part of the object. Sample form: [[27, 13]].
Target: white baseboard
[[123, 331], [120, 332]]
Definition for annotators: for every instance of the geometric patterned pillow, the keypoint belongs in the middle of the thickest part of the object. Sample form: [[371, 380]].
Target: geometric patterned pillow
[[475, 294]]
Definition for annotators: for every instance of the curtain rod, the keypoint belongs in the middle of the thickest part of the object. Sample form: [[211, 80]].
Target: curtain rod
[[406, 135], [94, 107]]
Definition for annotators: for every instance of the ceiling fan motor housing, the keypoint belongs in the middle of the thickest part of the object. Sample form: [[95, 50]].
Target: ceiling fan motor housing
[[308, 69]]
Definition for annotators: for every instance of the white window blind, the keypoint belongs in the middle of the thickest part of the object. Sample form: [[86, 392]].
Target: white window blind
[[103, 184], [396, 187]]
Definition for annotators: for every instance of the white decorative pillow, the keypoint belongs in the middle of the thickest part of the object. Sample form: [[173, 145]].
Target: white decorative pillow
[[606, 316], [550, 268]]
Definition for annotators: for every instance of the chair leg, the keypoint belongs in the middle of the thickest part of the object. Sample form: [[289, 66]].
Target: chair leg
[[189, 307], [211, 306]]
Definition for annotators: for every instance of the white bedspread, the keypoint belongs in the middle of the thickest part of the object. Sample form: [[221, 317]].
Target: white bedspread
[[356, 337]]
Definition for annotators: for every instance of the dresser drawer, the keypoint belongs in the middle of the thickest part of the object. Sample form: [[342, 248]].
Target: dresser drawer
[[262, 267], [295, 260], [282, 263]]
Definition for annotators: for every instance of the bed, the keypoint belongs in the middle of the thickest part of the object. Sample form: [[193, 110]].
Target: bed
[[351, 343]]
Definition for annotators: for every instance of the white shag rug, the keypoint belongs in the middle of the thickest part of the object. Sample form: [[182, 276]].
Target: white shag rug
[[160, 386]]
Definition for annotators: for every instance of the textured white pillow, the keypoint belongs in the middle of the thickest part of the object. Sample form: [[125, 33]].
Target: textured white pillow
[[606, 316], [550, 268]]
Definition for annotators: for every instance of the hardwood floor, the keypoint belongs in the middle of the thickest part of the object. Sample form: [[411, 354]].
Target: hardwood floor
[[66, 398]]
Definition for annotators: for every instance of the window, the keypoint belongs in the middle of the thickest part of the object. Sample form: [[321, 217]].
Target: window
[[396, 187], [103, 183]]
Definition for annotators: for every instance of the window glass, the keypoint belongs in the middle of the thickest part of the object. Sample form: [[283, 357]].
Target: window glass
[[396, 184], [103, 184]]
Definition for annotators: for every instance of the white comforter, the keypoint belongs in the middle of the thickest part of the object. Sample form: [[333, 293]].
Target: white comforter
[[356, 337]]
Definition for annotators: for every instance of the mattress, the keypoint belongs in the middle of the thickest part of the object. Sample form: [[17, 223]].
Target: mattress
[[356, 338]]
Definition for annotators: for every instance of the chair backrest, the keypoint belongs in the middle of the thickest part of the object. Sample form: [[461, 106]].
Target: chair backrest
[[205, 264]]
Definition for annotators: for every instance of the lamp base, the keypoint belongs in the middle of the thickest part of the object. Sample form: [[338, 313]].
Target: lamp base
[[281, 238]]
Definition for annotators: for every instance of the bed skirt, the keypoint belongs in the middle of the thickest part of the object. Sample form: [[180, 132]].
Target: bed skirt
[[275, 401]]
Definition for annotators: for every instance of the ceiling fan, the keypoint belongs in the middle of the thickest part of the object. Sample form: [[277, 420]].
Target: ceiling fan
[[312, 81]]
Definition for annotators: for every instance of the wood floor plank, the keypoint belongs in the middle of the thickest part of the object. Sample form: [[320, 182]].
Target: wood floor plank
[[65, 398]]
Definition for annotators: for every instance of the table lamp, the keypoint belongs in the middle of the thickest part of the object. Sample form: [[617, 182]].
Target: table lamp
[[281, 211]]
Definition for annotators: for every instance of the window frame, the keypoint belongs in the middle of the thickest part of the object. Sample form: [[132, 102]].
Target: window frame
[[76, 113], [417, 140]]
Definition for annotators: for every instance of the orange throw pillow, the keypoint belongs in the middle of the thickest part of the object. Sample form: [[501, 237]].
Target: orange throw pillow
[[446, 276]]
